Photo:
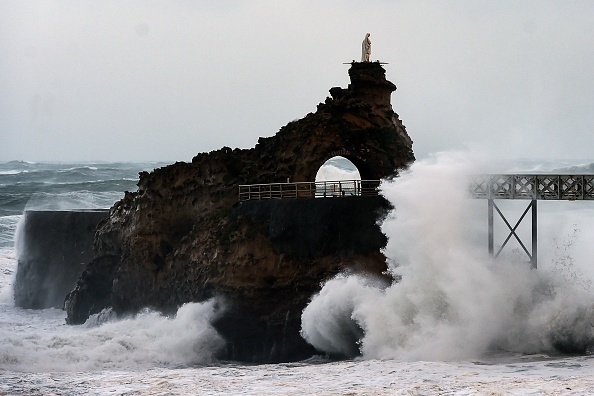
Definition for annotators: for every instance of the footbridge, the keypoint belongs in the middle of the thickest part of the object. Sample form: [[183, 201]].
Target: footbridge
[[321, 189], [533, 187]]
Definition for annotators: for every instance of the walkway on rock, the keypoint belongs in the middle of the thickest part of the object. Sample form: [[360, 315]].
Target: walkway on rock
[[321, 189]]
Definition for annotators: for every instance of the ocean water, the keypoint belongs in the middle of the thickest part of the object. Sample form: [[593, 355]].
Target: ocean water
[[458, 322]]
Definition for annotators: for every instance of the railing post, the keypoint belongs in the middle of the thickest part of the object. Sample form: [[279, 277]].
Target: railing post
[[490, 227], [534, 258]]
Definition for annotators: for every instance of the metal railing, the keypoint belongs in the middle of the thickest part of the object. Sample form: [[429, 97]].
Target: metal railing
[[540, 186], [323, 189]]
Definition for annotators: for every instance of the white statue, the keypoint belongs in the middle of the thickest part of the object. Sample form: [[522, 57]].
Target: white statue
[[366, 47]]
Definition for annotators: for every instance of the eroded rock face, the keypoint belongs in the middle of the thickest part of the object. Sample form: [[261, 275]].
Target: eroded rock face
[[184, 237]]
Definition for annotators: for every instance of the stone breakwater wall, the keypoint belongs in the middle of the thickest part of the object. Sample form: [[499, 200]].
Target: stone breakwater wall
[[53, 249]]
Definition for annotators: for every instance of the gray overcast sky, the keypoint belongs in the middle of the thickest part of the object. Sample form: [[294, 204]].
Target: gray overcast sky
[[165, 80]]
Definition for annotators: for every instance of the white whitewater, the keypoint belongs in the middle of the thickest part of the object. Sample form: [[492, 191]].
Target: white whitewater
[[457, 323], [453, 302]]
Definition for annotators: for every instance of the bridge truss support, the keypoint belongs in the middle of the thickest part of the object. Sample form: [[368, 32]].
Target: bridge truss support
[[533, 254], [558, 187]]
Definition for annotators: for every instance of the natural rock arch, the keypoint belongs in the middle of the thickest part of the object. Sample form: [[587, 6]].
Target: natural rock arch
[[354, 174], [357, 123], [183, 236]]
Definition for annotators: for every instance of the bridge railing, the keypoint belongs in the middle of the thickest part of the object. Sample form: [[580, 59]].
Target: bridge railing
[[537, 186], [322, 189]]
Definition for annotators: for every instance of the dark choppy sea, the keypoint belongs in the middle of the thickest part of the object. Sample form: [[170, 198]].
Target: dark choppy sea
[[458, 323]]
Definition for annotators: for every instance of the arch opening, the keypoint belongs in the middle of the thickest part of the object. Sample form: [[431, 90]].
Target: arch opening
[[337, 168]]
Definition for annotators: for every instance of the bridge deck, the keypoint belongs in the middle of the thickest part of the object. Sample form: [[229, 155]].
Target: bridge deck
[[324, 189], [529, 187], [534, 187]]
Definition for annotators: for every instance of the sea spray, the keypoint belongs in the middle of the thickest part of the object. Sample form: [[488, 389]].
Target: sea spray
[[148, 339], [338, 334], [453, 301]]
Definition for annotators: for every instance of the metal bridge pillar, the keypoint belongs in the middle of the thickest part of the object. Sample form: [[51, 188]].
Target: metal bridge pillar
[[533, 255], [491, 233], [534, 258]]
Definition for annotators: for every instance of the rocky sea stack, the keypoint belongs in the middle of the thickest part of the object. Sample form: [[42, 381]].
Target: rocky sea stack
[[184, 236]]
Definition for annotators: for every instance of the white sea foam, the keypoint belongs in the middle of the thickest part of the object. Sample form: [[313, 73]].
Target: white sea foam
[[74, 168], [453, 301], [543, 376], [154, 355], [7, 273], [35, 341], [40, 340]]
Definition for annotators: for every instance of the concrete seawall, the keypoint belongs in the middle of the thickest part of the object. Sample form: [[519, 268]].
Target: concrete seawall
[[53, 250]]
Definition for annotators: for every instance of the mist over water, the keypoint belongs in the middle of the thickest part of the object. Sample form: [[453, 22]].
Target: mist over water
[[453, 301], [41, 341]]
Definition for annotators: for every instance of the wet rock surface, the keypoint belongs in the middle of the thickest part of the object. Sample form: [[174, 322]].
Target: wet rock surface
[[184, 237]]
